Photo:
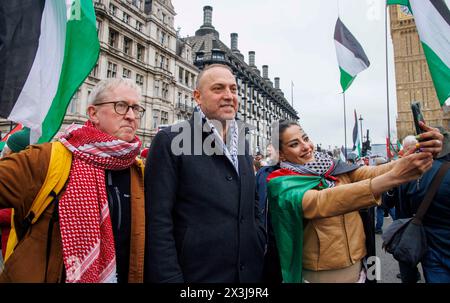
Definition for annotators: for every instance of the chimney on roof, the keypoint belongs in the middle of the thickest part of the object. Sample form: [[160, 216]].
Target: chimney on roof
[[277, 82], [207, 27], [207, 15], [251, 58], [234, 41], [265, 70]]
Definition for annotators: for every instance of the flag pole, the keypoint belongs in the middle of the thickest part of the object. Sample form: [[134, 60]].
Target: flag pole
[[387, 72], [292, 93], [360, 123], [345, 127]]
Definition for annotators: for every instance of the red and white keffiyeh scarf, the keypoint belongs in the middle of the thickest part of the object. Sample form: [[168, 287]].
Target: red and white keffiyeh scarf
[[85, 224]]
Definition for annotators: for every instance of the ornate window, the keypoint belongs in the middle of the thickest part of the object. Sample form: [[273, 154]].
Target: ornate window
[[112, 70]]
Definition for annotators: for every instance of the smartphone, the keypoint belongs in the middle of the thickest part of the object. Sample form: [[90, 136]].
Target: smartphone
[[418, 116]]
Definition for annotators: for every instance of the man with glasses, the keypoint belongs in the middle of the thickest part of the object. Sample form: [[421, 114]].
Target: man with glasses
[[94, 228]]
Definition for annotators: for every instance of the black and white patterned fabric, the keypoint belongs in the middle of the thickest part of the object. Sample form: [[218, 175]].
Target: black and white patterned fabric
[[230, 149], [322, 164]]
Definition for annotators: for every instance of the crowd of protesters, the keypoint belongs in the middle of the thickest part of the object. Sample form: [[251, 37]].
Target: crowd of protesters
[[196, 206]]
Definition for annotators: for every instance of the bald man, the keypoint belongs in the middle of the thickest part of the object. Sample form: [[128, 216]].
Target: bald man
[[204, 223]]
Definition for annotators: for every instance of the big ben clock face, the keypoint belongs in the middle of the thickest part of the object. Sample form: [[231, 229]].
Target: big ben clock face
[[404, 13], [405, 10]]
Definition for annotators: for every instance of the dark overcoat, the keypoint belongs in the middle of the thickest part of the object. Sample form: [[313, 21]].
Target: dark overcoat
[[203, 218]]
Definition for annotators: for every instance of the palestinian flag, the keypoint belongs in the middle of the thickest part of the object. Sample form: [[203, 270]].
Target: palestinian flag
[[356, 138], [47, 49], [285, 192], [15, 129], [432, 18], [350, 54]]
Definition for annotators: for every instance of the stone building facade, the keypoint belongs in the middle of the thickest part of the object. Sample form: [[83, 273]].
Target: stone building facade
[[138, 41], [412, 76], [261, 101]]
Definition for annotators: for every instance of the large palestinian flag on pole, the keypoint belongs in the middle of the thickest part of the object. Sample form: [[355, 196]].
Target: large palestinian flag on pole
[[47, 49], [351, 57], [432, 18]]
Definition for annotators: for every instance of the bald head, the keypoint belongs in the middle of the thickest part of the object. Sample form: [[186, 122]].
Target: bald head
[[206, 72], [216, 93]]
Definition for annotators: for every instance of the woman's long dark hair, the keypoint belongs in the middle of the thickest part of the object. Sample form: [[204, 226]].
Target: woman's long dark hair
[[278, 130]]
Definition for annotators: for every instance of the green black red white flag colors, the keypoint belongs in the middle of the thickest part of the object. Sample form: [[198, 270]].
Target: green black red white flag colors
[[47, 49], [432, 18], [350, 55]]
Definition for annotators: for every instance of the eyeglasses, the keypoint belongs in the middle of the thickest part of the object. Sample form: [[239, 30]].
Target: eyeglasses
[[122, 107]]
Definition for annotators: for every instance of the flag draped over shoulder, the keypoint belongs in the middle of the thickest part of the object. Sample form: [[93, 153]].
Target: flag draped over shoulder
[[285, 195], [350, 55], [356, 138], [432, 18], [47, 49]]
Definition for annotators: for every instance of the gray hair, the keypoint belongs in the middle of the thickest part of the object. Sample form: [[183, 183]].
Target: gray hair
[[101, 90], [409, 141]]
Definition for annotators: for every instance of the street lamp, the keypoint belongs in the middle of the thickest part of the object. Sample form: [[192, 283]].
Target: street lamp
[[360, 123]]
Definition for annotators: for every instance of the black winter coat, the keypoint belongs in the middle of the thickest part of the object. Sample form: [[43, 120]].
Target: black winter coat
[[203, 219]]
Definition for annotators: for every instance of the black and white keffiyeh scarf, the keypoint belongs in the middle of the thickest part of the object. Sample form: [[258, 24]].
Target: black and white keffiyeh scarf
[[322, 166], [230, 149]]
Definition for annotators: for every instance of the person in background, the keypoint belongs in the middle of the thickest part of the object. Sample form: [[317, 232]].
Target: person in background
[[408, 143], [257, 162], [407, 199], [270, 164], [352, 158], [144, 154], [271, 272], [272, 156]]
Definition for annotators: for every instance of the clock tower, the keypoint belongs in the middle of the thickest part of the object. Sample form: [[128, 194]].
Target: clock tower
[[412, 75]]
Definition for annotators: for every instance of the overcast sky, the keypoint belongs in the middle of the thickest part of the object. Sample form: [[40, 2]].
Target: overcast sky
[[295, 38]]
